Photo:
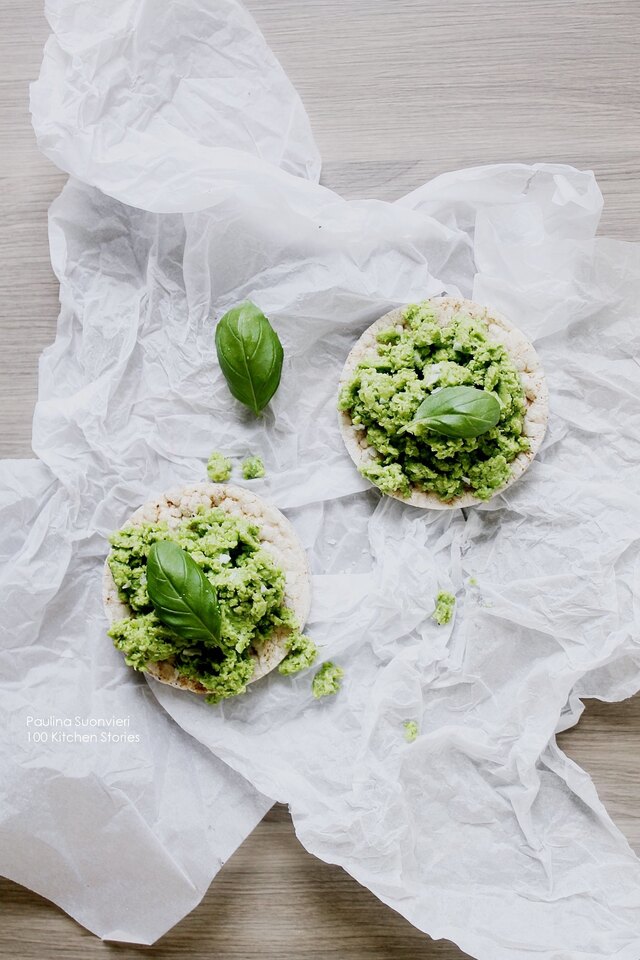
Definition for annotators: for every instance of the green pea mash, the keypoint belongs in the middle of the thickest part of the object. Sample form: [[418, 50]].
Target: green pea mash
[[251, 594], [302, 654], [218, 467], [410, 730], [253, 468], [445, 602], [387, 389], [327, 680]]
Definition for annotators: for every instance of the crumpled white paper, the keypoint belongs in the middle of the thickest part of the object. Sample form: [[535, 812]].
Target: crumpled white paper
[[125, 836], [481, 831]]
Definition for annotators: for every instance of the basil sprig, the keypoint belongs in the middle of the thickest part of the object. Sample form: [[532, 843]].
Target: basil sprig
[[182, 597], [461, 412], [250, 355]]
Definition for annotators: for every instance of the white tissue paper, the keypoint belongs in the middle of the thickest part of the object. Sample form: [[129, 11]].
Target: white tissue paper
[[125, 835], [193, 188]]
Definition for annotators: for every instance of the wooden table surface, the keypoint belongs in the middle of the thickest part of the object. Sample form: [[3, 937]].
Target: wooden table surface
[[398, 91]]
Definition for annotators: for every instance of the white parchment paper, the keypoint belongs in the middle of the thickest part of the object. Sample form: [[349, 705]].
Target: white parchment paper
[[184, 200], [126, 837]]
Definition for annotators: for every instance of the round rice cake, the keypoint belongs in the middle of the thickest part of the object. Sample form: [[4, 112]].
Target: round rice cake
[[277, 537], [499, 329]]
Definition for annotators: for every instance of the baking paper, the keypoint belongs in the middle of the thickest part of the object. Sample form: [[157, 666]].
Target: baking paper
[[481, 831], [125, 835]]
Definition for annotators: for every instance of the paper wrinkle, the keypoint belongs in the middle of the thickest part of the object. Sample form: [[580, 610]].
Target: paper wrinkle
[[102, 829], [159, 101], [481, 831]]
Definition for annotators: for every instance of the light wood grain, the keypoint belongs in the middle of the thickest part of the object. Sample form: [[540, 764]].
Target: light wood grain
[[398, 91]]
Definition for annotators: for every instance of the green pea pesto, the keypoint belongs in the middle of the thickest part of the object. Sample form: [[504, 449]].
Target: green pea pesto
[[302, 655], [386, 390], [410, 730], [251, 594], [253, 468], [327, 680], [445, 602], [218, 467]]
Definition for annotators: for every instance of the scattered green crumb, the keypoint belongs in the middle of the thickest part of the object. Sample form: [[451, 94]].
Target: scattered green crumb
[[445, 602], [218, 467], [327, 680], [302, 654], [410, 730], [473, 582], [252, 468]]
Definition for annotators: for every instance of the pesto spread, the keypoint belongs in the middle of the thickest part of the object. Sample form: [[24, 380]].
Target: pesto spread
[[410, 730], [253, 468], [445, 602], [411, 362], [218, 468], [302, 654], [327, 680], [251, 594]]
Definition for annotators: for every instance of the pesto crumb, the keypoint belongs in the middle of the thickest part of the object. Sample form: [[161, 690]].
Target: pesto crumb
[[473, 582], [252, 468], [327, 680], [445, 602], [218, 467], [302, 654], [410, 730]]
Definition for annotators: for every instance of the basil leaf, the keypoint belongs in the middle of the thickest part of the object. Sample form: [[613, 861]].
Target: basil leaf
[[250, 355], [182, 597], [461, 412]]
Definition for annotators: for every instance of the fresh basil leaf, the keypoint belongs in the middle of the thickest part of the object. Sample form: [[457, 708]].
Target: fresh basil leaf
[[460, 412], [182, 597], [250, 355]]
